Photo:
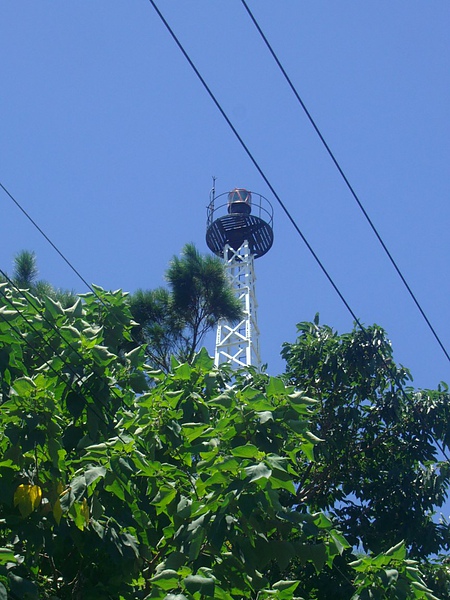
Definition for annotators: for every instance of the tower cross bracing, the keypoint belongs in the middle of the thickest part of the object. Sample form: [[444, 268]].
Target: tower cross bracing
[[239, 344]]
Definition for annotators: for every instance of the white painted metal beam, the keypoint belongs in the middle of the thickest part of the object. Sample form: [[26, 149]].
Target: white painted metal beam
[[239, 344]]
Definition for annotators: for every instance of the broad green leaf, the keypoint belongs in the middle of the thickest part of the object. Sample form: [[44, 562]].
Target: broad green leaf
[[115, 486], [80, 513], [300, 398], [9, 464], [297, 425], [136, 356], [339, 540], [27, 498], [278, 483], [76, 310], [218, 478], [92, 336], [275, 387], [265, 416], [280, 463], [23, 588], [166, 580], [196, 541], [7, 555], [203, 361], [419, 585], [247, 451], [259, 471], [389, 577], [183, 372], [9, 315], [98, 449], [313, 438], [138, 382], [123, 467], [192, 431], [70, 334], [24, 386], [184, 507], [73, 493], [163, 498], [78, 487], [197, 583], [221, 594], [224, 400], [92, 473], [315, 553], [285, 589], [52, 307], [102, 355], [57, 453], [397, 552], [228, 464], [308, 449], [260, 403], [146, 400]]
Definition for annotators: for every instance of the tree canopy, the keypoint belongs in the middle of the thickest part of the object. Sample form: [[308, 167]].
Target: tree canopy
[[122, 482], [175, 321], [383, 471], [25, 276], [25, 269]]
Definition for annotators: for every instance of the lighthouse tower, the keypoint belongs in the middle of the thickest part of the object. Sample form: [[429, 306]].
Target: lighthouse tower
[[239, 229]]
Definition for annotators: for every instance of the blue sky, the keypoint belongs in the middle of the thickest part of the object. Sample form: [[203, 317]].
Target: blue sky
[[110, 142]]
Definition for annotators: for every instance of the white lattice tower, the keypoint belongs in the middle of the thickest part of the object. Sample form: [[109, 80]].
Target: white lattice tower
[[239, 344], [240, 231]]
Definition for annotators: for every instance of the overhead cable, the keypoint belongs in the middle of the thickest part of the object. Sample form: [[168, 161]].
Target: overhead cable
[[344, 177], [47, 362], [393, 373], [47, 238], [255, 163], [59, 334], [66, 260]]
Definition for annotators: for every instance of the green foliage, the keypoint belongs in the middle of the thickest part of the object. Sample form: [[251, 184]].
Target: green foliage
[[389, 575], [25, 277], [200, 290], [175, 321], [121, 482], [380, 473], [25, 269], [158, 326]]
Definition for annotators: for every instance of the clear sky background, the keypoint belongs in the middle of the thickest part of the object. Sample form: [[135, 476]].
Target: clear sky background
[[109, 141]]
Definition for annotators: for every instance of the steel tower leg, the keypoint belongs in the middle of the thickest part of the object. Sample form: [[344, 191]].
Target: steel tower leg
[[239, 344]]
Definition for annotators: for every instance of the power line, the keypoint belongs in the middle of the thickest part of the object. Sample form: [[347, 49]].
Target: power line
[[78, 392], [344, 177], [56, 330], [393, 373], [50, 324], [66, 260], [48, 239], [255, 163], [250, 155], [36, 308], [46, 362]]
